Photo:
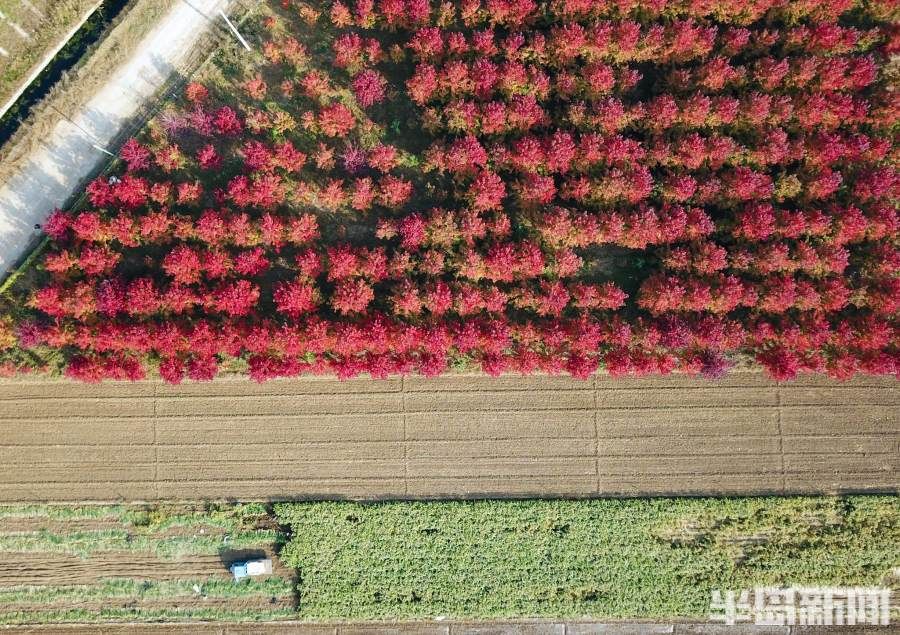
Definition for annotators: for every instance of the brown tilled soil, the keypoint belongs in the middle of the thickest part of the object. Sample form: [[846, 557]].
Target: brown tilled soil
[[458, 435], [51, 570], [59, 569], [40, 569]]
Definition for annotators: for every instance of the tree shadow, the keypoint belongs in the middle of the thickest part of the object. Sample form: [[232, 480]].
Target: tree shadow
[[230, 556]]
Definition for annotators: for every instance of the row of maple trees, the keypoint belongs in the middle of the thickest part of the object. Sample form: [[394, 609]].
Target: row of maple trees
[[741, 151]]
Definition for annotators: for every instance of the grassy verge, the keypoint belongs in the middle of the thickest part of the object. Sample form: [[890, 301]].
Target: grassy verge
[[44, 34], [140, 530], [146, 589], [60, 512], [599, 558], [85, 543], [128, 614], [150, 518]]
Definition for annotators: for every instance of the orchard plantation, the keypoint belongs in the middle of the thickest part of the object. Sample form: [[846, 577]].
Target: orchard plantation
[[562, 186]]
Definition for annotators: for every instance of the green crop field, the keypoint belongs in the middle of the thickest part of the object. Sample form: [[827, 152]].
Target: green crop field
[[599, 558], [602, 559]]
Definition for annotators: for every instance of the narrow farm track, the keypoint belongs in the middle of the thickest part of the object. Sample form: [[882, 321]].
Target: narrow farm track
[[459, 435]]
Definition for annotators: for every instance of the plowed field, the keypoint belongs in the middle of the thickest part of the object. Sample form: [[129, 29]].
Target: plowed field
[[452, 436], [85, 564]]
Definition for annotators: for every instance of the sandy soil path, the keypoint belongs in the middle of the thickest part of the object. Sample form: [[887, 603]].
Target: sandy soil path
[[55, 169], [452, 436]]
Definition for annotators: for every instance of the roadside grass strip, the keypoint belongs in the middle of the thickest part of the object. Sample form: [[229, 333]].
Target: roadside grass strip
[[62, 512], [120, 588], [202, 530], [85, 543], [110, 614], [151, 518]]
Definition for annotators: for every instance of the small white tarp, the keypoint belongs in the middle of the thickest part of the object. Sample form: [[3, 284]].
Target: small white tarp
[[259, 567]]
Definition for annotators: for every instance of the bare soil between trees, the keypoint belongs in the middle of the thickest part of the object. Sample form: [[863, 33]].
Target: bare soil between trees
[[455, 436]]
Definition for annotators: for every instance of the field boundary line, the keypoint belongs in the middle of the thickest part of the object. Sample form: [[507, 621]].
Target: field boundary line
[[485, 409], [155, 443], [780, 438], [405, 437], [596, 435]]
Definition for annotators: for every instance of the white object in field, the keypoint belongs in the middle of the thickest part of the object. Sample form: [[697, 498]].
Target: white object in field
[[234, 30], [22, 32], [241, 570], [259, 567]]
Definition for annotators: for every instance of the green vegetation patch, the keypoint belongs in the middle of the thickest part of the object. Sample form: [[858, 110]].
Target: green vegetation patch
[[167, 531], [235, 518], [62, 512], [600, 558], [121, 588], [84, 543], [136, 614], [151, 517]]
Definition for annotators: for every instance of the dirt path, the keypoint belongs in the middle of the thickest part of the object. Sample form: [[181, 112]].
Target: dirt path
[[452, 436], [56, 167]]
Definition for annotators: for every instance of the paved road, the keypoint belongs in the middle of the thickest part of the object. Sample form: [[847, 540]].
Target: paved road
[[451, 436], [56, 167]]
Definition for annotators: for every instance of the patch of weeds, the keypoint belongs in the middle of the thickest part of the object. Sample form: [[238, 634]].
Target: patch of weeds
[[620, 559], [147, 590], [787, 528], [62, 512]]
